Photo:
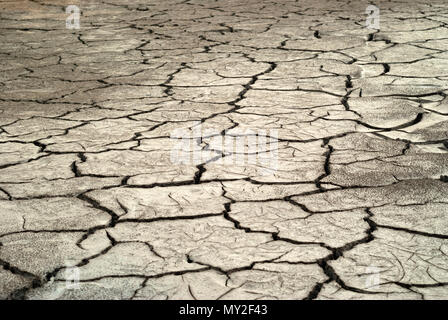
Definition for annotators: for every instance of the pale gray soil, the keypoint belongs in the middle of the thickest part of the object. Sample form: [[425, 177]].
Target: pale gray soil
[[360, 194]]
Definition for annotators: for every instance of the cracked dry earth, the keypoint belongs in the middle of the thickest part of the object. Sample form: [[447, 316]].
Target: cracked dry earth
[[86, 177]]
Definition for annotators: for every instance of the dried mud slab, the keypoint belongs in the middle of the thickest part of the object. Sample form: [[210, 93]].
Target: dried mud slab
[[117, 156]]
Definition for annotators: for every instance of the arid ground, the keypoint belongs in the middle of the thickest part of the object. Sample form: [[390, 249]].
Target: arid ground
[[121, 175]]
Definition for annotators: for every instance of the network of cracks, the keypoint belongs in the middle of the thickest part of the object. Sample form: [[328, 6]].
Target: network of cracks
[[356, 208]]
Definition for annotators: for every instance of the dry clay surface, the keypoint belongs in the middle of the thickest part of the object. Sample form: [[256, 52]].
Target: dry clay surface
[[87, 179]]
